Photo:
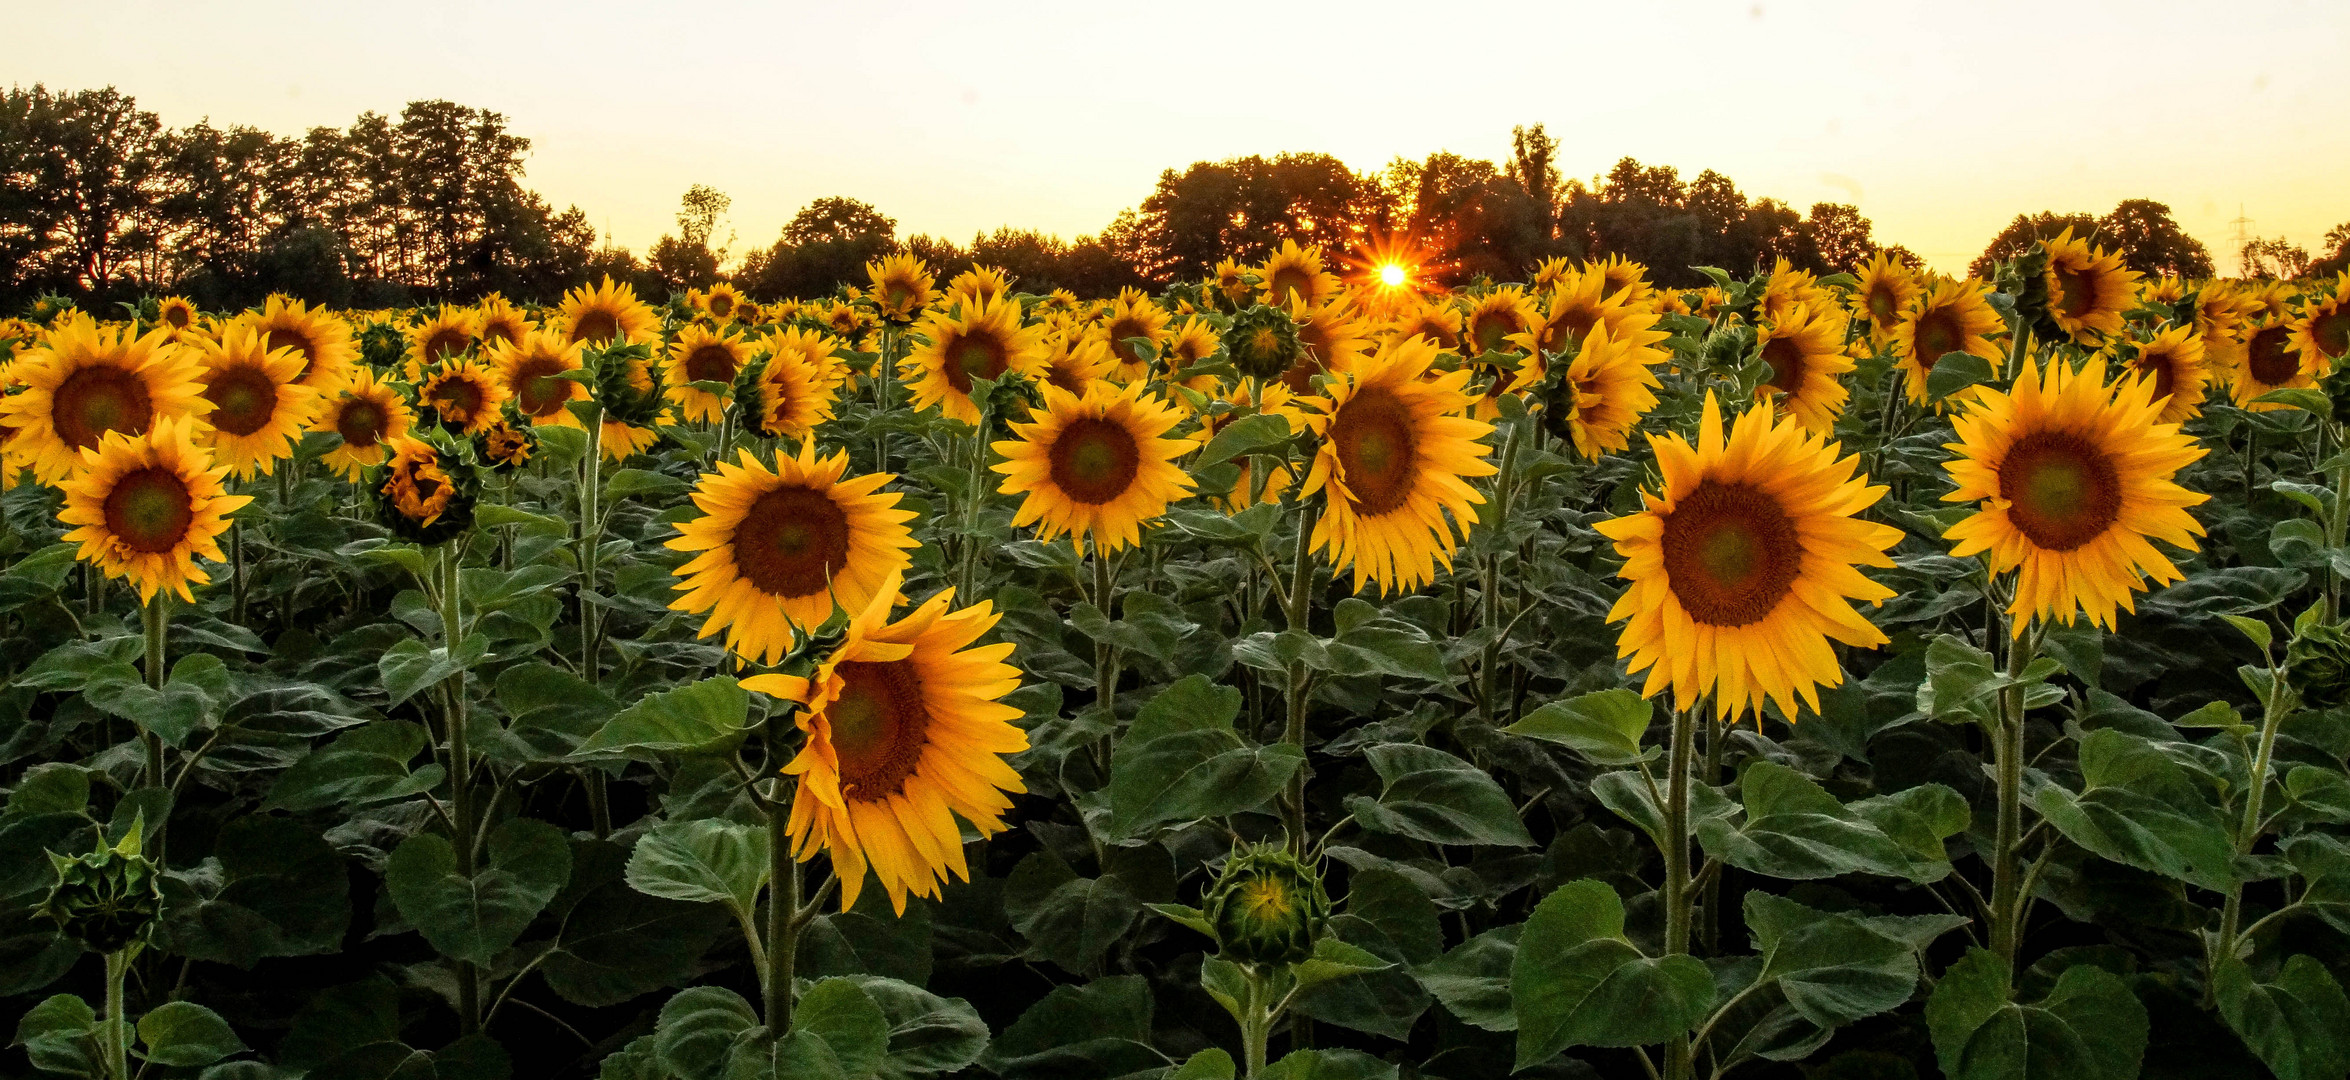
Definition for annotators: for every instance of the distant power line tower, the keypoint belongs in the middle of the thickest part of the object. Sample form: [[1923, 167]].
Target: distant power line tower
[[2242, 238]]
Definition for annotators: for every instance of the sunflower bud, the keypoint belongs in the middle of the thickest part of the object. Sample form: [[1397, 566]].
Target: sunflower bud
[[1558, 404], [1262, 342], [109, 897], [2317, 663], [424, 494], [1268, 907]]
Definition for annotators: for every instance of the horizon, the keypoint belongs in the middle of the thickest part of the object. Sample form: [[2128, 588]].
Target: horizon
[[1044, 138]]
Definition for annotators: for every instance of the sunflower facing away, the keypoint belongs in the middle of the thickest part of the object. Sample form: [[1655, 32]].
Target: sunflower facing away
[[784, 546], [1394, 460], [258, 409], [2087, 288], [1133, 315], [532, 369], [983, 342], [1295, 276], [702, 356], [467, 395], [1805, 350], [1612, 388], [146, 506], [85, 382], [448, 334], [1949, 316], [2173, 361], [2074, 478], [1743, 565], [1096, 466], [606, 312], [366, 415], [906, 730], [322, 339], [901, 289]]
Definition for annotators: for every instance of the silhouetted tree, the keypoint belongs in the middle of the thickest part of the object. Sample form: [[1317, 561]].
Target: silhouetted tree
[[2150, 242]]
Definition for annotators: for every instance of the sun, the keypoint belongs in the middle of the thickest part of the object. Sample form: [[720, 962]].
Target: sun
[[1393, 275]]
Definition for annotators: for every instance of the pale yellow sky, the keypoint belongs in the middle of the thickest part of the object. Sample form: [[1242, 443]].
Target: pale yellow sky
[[1941, 121]]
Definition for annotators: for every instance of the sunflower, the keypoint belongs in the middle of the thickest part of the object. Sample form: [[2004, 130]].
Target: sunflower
[[2267, 361], [1743, 565], [978, 285], [258, 410], [901, 289], [1278, 401], [1887, 287], [1949, 316], [1096, 466], [505, 446], [532, 372], [747, 313], [2323, 330], [423, 494], [2174, 362], [1057, 302], [2074, 477], [322, 339], [147, 506], [467, 395], [778, 548], [719, 301], [178, 313], [1192, 341], [622, 440], [1579, 302], [448, 335], [795, 389], [497, 320], [1440, 323], [365, 415], [702, 356], [1787, 287], [1393, 459], [1549, 272], [1491, 319], [1805, 350], [1231, 279], [982, 342], [2162, 288], [905, 730], [604, 313], [1624, 278], [1074, 362], [2087, 288], [1334, 339], [1294, 276], [1610, 387], [1133, 315], [84, 382], [2270, 299]]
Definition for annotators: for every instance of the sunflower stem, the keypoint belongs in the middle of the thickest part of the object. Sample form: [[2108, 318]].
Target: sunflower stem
[[2007, 752], [2337, 523], [460, 770], [1679, 762], [591, 475], [2273, 710], [881, 395], [1297, 605], [1105, 655], [117, 1023], [783, 899], [155, 619], [236, 555], [1489, 578]]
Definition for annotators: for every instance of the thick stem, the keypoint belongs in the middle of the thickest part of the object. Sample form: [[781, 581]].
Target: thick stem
[[155, 619], [118, 1023], [783, 910], [236, 554], [881, 394], [1489, 580], [1709, 900], [1105, 656], [2337, 523], [591, 470], [1678, 765], [1297, 609], [2007, 757], [460, 770], [2248, 833]]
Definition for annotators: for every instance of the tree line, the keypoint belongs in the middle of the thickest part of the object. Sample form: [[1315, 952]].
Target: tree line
[[101, 202]]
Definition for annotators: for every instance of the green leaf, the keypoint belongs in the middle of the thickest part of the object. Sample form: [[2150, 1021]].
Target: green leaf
[[2255, 629], [1247, 435], [188, 701], [184, 1034], [2137, 807], [617, 943], [273, 887], [411, 665], [1955, 371], [1795, 830], [1605, 727], [2089, 1027], [476, 918], [698, 718], [60, 1035], [870, 939], [801, 1055], [2311, 401], [1208, 1064], [1962, 683], [1181, 760], [696, 1029], [1328, 1065], [1069, 920], [625, 483], [2299, 1024], [1836, 968], [1473, 980], [363, 765], [1430, 795], [1577, 981], [707, 860], [550, 712], [52, 787], [1102, 1028], [928, 1034], [851, 1025]]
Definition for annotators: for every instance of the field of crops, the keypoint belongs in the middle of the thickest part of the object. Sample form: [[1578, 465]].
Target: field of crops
[[1300, 673]]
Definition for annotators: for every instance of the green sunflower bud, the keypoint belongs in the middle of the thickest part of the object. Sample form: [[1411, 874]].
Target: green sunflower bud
[[1262, 342], [1268, 907], [2318, 665], [108, 898]]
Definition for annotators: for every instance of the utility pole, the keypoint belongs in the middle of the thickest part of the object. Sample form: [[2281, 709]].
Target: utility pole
[[2242, 238]]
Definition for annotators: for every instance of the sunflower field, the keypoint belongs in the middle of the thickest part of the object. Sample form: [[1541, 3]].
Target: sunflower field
[[1290, 675]]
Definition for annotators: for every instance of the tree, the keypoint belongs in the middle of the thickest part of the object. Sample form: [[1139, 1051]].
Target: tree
[[688, 260], [2150, 242], [1839, 236], [2337, 257], [824, 246], [2273, 258], [1534, 168], [1243, 208], [836, 220], [2025, 231]]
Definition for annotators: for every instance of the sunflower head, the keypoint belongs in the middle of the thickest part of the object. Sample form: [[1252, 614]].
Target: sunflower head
[[259, 408], [85, 382], [901, 288], [606, 313], [2088, 288], [1097, 466], [978, 341], [146, 508], [1267, 906], [364, 417], [465, 397], [624, 386], [506, 445], [1262, 342], [110, 897], [425, 494], [322, 339], [178, 313], [1292, 275]]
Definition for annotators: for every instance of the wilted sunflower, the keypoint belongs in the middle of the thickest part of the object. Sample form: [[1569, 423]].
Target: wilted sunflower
[[783, 546], [702, 356], [905, 730], [1394, 460], [445, 336], [1743, 565], [901, 289], [1192, 341], [983, 342], [980, 284], [2173, 361], [1805, 350], [604, 313], [423, 494], [2267, 361], [1603, 393], [147, 506], [532, 372], [466, 394], [1334, 338], [2323, 330], [178, 313], [1950, 316], [1294, 277], [258, 411], [1096, 466], [1133, 315], [1074, 362], [505, 446], [2087, 288], [1886, 289], [84, 382], [365, 415], [497, 321], [2074, 477], [322, 339]]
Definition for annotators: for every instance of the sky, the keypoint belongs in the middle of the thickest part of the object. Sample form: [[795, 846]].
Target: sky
[[1940, 121]]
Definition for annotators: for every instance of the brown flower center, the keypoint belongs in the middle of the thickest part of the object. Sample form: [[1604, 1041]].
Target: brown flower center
[[1882, 306], [2062, 492], [975, 353], [1378, 451], [149, 510], [2331, 331], [96, 400], [538, 392], [2267, 357], [177, 316], [361, 423], [1095, 460], [2161, 367], [1731, 553], [1788, 364], [721, 304], [2076, 291], [289, 338], [710, 363], [243, 399], [595, 326], [792, 542], [446, 342], [1291, 283], [1939, 334], [458, 398], [879, 726]]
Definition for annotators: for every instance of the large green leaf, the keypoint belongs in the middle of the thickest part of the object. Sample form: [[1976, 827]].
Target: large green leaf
[[1795, 829], [697, 1029], [2299, 1024], [1578, 981], [363, 765], [1099, 1029], [1181, 760], [1835, 968], [841, 1013], [475, 918], [2138, 807], [1430, 795], [185, 1034], [1605, 727], [2089, 1027], [272, 887], [411, 666], [617, 943], [928, 1034], [551, 711], [700, 717], [1328, 1065], [1473, 980], [60, 1036], [707, 860]]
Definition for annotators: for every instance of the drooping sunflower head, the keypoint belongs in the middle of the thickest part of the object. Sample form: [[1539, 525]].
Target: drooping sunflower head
[[703, 356], [146, 506], [2174, 362], [1294, 276], [1132, 316], [605, 313], [259, 408], [982, 341], [2074, 477], [465, 396], [906, 731], [424, 494], [506, 445], [1805, 350], [1097, 466], [446, 335], [2088, 288], [1394, 459], [1887, 287], [320, 337], [1743, 563], [84, 382], [498, 321], [533, 372], [1948, 316], [366, 415], [901, 289]]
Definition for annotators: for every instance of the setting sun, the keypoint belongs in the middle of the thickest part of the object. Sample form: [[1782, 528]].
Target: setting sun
[[1392, 275]]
